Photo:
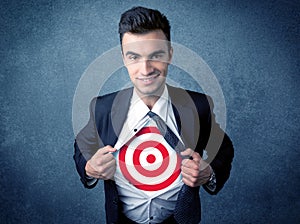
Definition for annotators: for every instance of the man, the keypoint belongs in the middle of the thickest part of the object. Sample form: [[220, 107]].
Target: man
[[136, 136]]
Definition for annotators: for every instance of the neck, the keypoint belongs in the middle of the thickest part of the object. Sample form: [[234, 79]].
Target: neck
[[150, 100]]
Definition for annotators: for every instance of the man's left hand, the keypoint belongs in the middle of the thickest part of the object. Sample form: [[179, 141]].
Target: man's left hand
[[195, 171]]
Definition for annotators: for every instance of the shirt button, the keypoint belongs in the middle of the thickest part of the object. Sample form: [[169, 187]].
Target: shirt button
[[135, 130]]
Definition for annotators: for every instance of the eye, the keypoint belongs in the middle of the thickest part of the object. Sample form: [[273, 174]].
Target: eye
[[157, 57], [133, 57]]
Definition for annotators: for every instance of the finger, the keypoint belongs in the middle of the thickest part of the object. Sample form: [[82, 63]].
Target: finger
[[194, 181], [187, 163], [90, 171], [193, 162], [109, 165], [195, 173], [191, 154], [105, 171], [109, 173], [103, 159], [187, 155], [196, 157], [189, 182], [105, 150]]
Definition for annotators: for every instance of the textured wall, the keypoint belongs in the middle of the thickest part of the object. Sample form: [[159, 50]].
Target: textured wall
[[252, 48]]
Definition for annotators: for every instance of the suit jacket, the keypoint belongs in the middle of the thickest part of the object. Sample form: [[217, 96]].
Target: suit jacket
[[196, 123]]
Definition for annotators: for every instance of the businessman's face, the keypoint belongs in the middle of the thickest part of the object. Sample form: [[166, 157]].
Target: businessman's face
[[146, 57]]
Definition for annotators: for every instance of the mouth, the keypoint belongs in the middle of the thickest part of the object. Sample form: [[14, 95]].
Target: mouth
[[149, 79]]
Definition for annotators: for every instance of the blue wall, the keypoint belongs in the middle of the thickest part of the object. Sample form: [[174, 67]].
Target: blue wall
[[252, 48]]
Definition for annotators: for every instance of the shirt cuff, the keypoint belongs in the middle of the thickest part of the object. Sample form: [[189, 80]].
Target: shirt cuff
[[211, 185], [90, 180]]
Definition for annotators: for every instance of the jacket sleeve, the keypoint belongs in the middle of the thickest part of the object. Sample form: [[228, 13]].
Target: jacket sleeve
[[86, 144], [220, 152]]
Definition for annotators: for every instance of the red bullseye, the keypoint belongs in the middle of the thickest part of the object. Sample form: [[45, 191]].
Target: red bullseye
[[150, 158], [139, 174], [161, 168]]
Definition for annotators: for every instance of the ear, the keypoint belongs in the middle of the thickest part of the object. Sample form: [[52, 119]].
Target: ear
[[123, 58], [170, 54]]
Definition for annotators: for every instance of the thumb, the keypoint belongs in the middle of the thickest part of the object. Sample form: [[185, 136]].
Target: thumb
[[106, 149], [187, 153], [111, 149]]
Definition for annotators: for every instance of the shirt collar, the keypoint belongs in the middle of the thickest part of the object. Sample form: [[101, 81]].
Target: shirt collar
[[162, 104], [137, 110]]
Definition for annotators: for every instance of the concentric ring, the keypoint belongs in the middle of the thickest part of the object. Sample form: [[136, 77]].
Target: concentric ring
[[160, 172]]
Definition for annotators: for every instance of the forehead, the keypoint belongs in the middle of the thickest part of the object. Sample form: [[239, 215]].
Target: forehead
[[144, 43]]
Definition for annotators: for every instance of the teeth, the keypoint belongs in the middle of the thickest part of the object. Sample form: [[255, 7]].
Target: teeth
[[148, 79]]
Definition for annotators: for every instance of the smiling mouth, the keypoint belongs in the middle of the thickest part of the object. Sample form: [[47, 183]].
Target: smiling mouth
[[148, 78]]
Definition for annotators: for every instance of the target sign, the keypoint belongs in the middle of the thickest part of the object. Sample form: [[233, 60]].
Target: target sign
[[148, 162]]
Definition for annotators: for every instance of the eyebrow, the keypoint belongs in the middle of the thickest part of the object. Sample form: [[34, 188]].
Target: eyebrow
[[157, 52], [132, 53], [153, 53]]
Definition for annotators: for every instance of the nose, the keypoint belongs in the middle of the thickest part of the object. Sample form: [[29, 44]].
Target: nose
[[146, 67]]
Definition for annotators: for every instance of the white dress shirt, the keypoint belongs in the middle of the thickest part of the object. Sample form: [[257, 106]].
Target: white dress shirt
[[139, 205]]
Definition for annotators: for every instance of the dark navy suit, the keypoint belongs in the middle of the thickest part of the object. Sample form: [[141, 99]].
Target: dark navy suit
[[195, 121]]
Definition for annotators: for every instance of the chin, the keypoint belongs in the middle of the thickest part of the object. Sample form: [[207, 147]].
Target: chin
[[151, 91]]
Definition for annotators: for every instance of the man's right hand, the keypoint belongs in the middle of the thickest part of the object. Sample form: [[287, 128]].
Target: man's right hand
[[102, 165]]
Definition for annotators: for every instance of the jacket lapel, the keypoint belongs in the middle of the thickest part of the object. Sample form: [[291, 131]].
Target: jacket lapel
[[186, 116], [120, 109]]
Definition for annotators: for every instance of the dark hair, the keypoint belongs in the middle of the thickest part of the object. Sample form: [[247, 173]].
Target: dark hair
[[140, 20]]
